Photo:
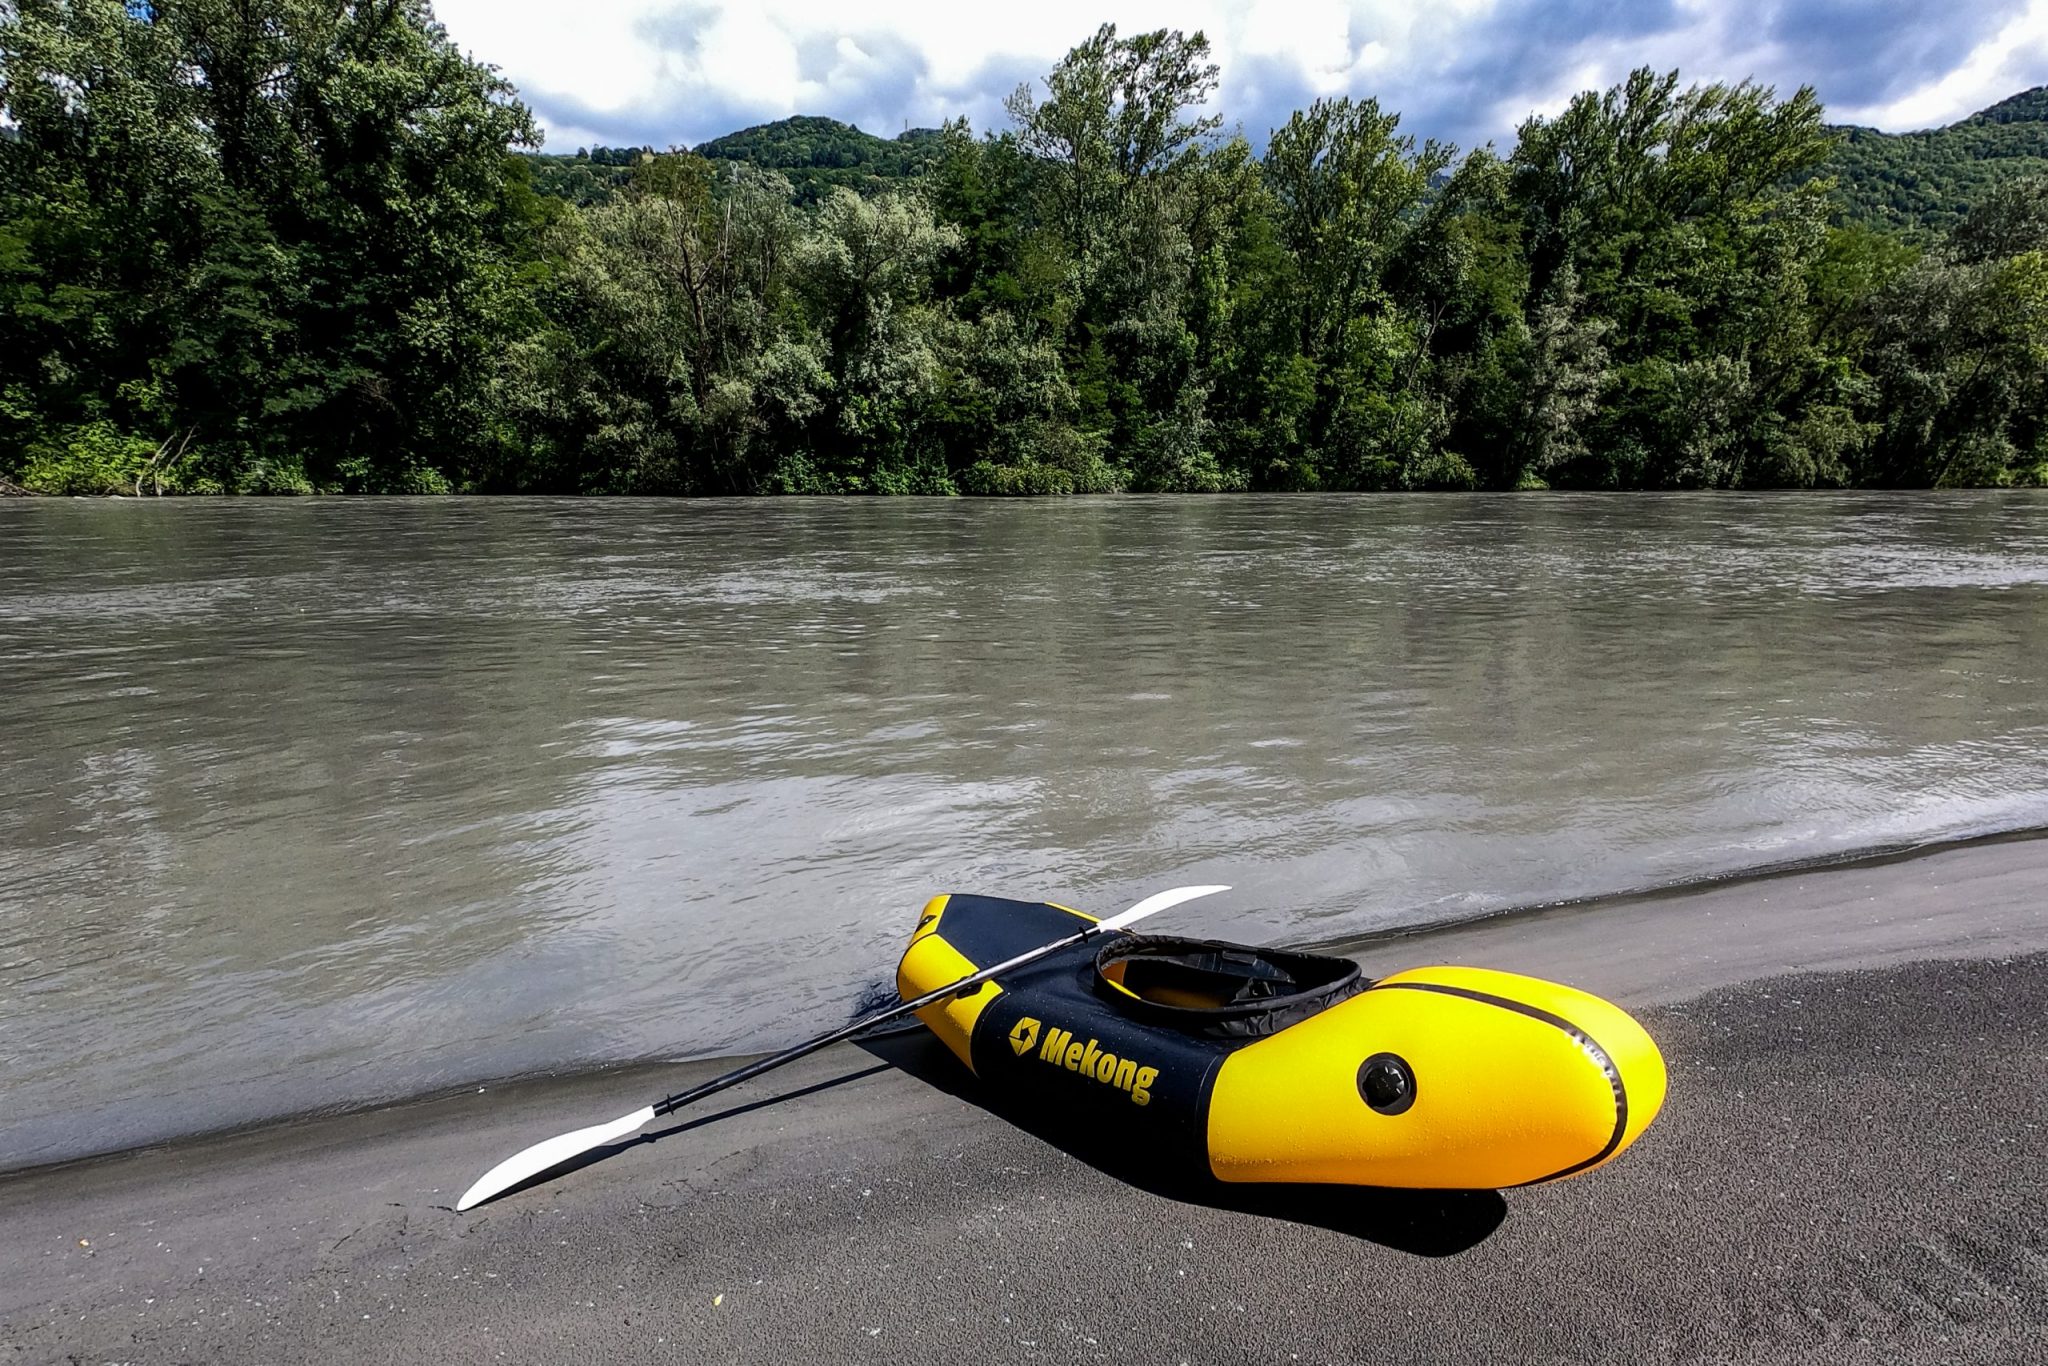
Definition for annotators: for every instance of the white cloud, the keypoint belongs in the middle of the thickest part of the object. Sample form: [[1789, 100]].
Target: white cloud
[[678, 71], [2011, 60]]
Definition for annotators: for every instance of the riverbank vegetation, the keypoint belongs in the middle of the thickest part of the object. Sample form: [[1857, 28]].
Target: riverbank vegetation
[[298, 245]]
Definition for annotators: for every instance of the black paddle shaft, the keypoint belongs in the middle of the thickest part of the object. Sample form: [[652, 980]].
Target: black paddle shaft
[[791, 1054]]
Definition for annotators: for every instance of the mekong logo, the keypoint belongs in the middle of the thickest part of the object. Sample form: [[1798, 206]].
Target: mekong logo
[[1062, 1050]]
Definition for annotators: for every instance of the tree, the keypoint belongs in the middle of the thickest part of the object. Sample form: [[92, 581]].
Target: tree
[[98, 244], [867, 269], [1959, 352], [1565, 372], [1345, 186], [1680, 216], [2009, 221], [665, 365], [1115, 114], [1636, 185], [284, 227]]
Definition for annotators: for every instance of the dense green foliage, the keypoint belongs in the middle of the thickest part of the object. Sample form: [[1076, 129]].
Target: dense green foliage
[[266, 245], [591, 177], [285, 245], [1923, 184]]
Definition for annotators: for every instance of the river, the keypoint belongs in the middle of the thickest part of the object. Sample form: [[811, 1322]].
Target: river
[[314, 803]]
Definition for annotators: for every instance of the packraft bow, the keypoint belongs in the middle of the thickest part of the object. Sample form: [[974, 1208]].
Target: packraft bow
[[1248, 1064]]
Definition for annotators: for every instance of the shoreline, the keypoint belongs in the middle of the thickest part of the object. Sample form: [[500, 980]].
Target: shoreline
[[186, 496], [1542, 939], [1850, 860], [1850, 1167]]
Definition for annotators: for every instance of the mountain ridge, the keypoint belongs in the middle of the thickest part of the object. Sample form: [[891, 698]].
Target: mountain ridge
[[1917, 184], [1923, 182]]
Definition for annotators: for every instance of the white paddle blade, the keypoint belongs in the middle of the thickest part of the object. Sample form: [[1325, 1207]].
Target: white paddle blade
[[1152, 905], [528, 1163]]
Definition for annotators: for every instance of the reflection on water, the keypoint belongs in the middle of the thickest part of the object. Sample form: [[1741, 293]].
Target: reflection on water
[[311, 803]]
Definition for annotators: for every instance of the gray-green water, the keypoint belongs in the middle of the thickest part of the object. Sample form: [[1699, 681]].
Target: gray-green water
[[304, 804]]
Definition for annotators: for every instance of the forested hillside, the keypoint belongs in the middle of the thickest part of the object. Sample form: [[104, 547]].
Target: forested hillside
[[815, 155], [1922, 184], [818, 154], [298, 245]]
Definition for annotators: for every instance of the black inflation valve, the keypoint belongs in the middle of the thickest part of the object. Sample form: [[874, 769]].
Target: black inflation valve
[[1387, 1083]]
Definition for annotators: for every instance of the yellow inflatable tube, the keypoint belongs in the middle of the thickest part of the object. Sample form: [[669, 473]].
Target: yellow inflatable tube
[[1251, 1065]]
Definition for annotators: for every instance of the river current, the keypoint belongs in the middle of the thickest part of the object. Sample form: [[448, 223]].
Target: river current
[[309, 804]]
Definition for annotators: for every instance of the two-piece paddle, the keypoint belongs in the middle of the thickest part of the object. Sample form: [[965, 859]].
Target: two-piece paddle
[[528, 1163]]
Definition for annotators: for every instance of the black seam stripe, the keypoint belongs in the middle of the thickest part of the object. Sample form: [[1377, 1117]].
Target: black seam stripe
[[1585, 1041]]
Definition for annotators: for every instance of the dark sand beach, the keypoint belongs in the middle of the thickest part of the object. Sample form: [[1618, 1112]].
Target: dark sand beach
[[1852, 1166]]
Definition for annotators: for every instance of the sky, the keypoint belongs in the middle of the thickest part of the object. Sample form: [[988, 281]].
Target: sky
[[667, 73]]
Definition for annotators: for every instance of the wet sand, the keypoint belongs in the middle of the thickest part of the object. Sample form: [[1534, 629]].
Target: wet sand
[[1852, 1166]]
